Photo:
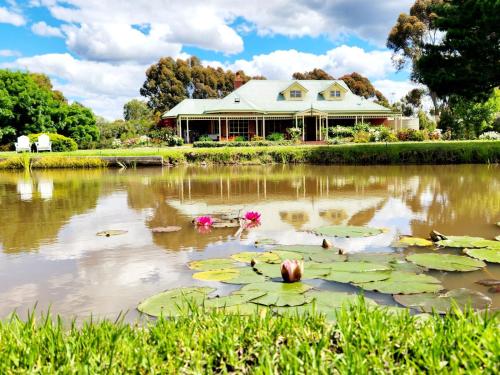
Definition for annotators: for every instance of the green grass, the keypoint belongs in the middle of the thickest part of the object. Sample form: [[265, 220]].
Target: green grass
[[362, 341], [458, 152]]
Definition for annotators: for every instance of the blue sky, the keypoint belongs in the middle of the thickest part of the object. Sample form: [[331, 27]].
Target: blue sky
[[96, 51]]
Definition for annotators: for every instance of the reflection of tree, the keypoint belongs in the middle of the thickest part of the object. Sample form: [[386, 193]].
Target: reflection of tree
[[334, 217], [295, 218], [28, 224]]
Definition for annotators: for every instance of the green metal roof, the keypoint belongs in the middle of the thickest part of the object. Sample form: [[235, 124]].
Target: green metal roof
[[265, 96]]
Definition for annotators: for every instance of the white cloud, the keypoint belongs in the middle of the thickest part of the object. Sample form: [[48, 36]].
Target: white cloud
[[394, 90], [337, 62], [9, 53], [42, 29], [12, 17], [118, 42]]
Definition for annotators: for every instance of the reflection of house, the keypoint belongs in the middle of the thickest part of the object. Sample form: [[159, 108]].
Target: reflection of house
[[261, 107]]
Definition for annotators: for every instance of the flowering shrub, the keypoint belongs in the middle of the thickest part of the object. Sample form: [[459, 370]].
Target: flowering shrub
[[435, 135], [491, 135], [117, 143], [294, 134], [275, 137], [341, 132]]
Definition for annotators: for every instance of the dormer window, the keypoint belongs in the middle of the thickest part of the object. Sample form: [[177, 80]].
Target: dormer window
[[335, 94], [295, 94]]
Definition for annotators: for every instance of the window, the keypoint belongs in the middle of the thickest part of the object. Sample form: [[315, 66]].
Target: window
[[335, 94], [295, 94], [238, 128]]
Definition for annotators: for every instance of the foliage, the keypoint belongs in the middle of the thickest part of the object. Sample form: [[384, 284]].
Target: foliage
[[363, 340], [339, 131], [240, 138], [412, 135], [465, 62], [60, 143], [491, 135], [170, 81], [315, 74], [205, 138], [274, 137], [468, 119], [362, 86], [212, 144], [362, 137], [29, 105], [137, 110], [166, 136], [294, 134], [424, 122]]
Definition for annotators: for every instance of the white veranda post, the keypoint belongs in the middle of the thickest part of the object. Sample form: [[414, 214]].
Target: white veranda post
[[187, 130], [220, 131]]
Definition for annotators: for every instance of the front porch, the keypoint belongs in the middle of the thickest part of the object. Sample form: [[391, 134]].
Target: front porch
[[313, 123]]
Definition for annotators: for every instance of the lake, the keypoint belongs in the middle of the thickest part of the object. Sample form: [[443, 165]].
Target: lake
[[50, 254]]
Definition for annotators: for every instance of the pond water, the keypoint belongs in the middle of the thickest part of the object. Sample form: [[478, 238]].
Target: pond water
[[50, 254]]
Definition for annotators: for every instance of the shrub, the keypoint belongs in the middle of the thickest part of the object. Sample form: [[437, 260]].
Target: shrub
[[242, 144], [361, 137], [294, 133], [257, 138], [60, 143], [435, 135], [205, 138], [492, 136], [274, 137], [412, 135], [166, 136], [340, 132], [361, 127], [240, 138]]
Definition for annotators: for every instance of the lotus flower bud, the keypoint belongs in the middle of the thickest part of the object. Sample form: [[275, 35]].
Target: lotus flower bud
[[326, 244], [292, 270]]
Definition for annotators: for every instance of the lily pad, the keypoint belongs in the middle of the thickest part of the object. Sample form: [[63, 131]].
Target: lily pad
[[489, 255], [246, 256], [217, 275], [357, 277], [406, 266], [112, 232], [211, 264], [446, 262], [327, 256], [347, 231], [169, 229], [278, 293], [380, 258], [443, 303], [245, 276], [336, 300], [245, 309], [232, 299], [468, 242], [413, 241], [404, 283], [304, 249], [265, 241], [488, 282], [268, 269], [226, 224], [174, 302]]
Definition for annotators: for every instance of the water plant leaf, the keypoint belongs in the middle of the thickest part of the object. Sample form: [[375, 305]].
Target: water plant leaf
[[226, 224], [406, 266], [347, 231], [357, 277], [217, 275], [232, 299], [304, 249], [287, 255], [168, 229], [468, 242], [246, 256], [265, 241], [335, 300], [444, 303], [211, 264], [327, 256], [487, 254], [413, 241], [245, 309], [246, 276], [174, 302], [488, 282], [278, 293], [400, 282], [446, 262], [111, 232], [268, 269], [375, 257]]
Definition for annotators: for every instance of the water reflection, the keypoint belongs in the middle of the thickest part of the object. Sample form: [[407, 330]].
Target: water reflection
[[49, 251]]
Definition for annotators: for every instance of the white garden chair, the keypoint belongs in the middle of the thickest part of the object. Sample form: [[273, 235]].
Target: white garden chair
[[23, 144], [44, 143]]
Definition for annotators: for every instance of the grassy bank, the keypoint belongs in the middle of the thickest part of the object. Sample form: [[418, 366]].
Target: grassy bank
[[360, 342], [460, 152]]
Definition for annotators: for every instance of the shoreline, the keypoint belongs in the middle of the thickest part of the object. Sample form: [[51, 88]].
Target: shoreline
[[401, 153]]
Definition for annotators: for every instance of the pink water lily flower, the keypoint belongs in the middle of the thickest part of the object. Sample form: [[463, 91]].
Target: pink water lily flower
[[204, 221], [252, 216], [292, 270]]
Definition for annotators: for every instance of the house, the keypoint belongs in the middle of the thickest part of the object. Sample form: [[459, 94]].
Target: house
[[262, 107]]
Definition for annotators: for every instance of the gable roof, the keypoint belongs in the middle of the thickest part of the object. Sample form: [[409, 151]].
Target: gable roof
[[265, 96]]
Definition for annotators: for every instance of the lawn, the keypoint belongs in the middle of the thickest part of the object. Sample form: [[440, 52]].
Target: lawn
[[360, 341], [456, 152]]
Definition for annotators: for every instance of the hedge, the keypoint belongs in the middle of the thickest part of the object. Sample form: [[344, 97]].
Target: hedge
[[60, 143]]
